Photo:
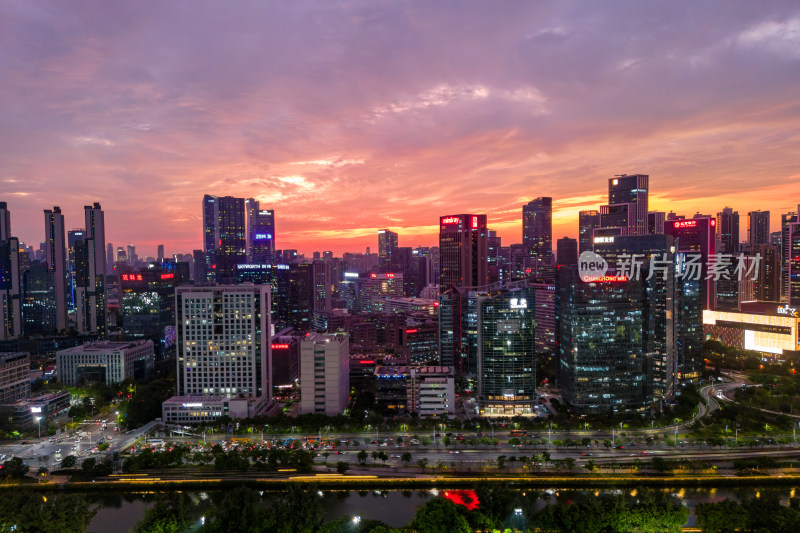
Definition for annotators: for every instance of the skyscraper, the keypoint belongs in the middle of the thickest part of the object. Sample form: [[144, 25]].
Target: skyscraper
[[260, 233], [537, 235], [787, 220], [10, 286], [506, 353], [655, 221], [91, 306], [603, 368], [794, 264], [627, 204], [463, 249], [55, 254], [758, 227], [5, 222], [387, 243], [728, 230], [587, 222], [566, 251], [160, 253], [224, 236], [697, 238], [73, 236]]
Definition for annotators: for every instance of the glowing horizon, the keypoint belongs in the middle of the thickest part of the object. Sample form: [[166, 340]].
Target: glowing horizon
[[348, 118]]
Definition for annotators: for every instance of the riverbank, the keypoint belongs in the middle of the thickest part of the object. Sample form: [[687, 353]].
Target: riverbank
[[359, 482]]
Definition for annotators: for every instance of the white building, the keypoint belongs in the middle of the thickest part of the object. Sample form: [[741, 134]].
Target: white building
[[411, 305], [197, 409], [106, 362], [324, 373], [223, 347]]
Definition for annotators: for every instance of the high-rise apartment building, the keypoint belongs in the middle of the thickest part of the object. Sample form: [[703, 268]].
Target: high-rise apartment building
[[224, 236], [324, 373], [15, 377], [728, 230], [758, 227], [506, 353], [260, 232], [55, 254], [223, 346], [537, 236], [587, 222], [91, 306]]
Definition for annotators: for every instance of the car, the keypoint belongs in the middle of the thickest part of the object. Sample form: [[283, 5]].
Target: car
[[587, 454]]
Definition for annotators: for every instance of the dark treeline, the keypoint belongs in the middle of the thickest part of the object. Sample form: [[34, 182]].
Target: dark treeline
[[300, 509]]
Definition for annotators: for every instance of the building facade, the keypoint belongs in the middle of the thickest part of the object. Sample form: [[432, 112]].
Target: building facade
[[324, 373], [105, 362]]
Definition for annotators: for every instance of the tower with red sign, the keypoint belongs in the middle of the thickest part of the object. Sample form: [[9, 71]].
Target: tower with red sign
[[696, 237], [463, 253]]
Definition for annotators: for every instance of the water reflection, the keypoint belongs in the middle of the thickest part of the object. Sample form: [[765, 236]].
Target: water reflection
[[121, 511]]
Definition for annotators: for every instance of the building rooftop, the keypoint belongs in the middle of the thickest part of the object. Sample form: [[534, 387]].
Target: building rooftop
[[106, 346]]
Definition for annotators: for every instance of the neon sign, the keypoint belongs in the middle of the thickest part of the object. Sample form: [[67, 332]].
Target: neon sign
[[451, 220], [411, 330], [520, 303], [367, 362], [605, 279], [279, 346], [475, 222], [351, 274], [687, 223], [135, 277], [601, 240], [192, 405], [373, 276], [389, 276], [786, 310], [262, 236], [167, 276]]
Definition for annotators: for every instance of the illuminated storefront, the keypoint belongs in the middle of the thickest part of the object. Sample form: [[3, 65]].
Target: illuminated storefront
[[766, 327]]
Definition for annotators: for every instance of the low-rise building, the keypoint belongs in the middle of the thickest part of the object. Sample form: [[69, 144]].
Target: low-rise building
[[196, 409], [15, 383], [426, 390], [770, 328], [106, 362]]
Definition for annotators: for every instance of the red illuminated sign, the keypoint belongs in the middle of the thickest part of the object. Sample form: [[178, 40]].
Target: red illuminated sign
[[411, 330], [373, 276], [467, 498], [604, 279], [713, 222], [367, 362], [167, 276], [475, 222], [280, 346], [451, 220], [436, 304], [687, 223], [131, 277], [390, 276]]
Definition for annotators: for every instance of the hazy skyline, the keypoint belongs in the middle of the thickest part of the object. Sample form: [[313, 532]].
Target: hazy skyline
[[347, 117]]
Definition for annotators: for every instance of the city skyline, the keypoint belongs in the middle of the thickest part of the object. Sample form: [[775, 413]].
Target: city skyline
[[345, 119]]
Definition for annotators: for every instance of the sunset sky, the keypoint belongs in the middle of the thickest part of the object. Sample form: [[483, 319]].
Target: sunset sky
[[346, 117]]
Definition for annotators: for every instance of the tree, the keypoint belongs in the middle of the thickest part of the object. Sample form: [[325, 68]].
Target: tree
[[362, 457], [326, 454], [69, 461], [342, 467], [406, 458], [14, 468], [383, 456], [422, 463], [501, 462], [440, 516], [590, 466]]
